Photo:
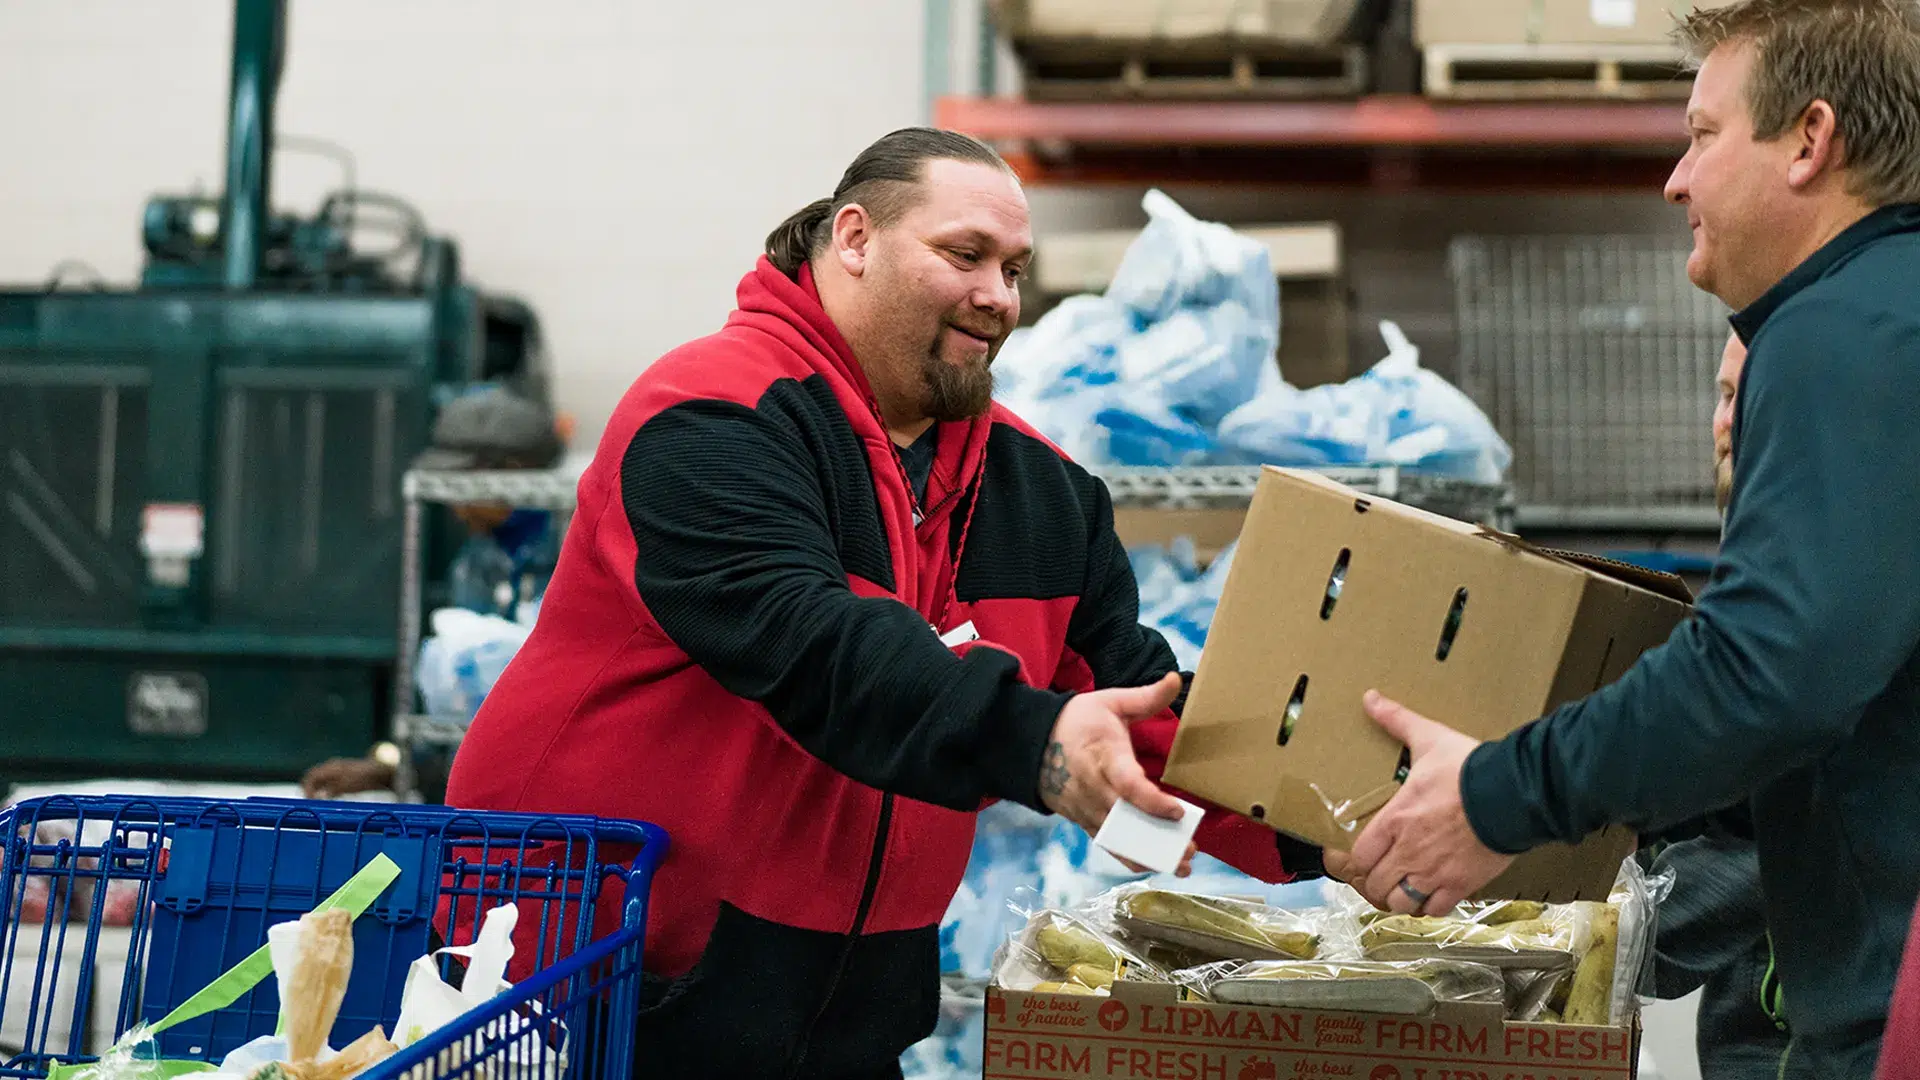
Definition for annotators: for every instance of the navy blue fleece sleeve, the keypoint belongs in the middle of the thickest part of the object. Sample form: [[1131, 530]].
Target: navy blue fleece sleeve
[[1813, 608]]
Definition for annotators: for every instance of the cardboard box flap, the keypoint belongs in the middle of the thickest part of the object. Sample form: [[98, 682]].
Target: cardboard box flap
[[1366, 503], [1657, 582], [1654, 581]]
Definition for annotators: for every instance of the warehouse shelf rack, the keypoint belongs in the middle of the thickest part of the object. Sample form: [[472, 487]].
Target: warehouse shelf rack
[[522, 489], [1384, 142], [1231, 486]]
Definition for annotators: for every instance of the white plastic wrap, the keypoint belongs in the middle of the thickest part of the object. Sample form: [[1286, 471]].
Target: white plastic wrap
[[1059, 953], [1508, 934], [1638, 896], [1397, 413], [1409, 987], [1185, 333], [1213, 927], [463, 659]]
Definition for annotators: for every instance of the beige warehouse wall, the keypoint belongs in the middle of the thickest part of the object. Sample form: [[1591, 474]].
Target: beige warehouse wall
[[617, 162]]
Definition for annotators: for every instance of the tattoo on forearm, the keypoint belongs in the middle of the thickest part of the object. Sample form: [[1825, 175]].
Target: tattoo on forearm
[[1053, 773]]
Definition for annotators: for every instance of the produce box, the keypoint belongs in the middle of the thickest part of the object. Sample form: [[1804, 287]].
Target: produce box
[[1333, 593], [1144, 1030]]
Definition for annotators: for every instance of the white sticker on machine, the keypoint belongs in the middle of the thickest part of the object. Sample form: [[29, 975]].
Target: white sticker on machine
[[173, 531]]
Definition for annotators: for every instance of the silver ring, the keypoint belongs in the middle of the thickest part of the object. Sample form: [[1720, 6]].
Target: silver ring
[[1419, 898]]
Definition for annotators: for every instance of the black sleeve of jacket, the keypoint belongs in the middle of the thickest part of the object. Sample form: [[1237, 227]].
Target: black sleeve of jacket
[[738, 564], [1105, 630], [1105, 625], [1813, 608]]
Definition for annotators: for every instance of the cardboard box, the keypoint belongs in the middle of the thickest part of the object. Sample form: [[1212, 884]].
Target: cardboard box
[[1550, 22], [1143, 1031], [1304, 21], [1333, 593], [1307, 259]]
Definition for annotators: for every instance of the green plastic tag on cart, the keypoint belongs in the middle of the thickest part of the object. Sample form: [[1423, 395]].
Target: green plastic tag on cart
[[354, 897]]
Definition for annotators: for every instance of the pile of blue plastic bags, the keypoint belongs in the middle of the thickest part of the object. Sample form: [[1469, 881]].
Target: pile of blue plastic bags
[[1174, 365]]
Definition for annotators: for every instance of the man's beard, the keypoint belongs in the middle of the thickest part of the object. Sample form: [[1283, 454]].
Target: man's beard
[[1722, 483], [957, 392]]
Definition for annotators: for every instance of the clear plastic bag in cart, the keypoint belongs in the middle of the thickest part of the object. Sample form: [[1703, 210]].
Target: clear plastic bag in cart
[[1407, 988], [1056, 952], [1213, 927]]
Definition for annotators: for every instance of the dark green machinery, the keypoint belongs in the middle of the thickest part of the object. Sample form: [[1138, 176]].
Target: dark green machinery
[[200, 479]]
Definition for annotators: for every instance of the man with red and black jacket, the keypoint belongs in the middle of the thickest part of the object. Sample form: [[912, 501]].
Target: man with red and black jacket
[[821, 601]]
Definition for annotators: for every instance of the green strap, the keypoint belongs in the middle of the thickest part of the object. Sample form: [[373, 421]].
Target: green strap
[[355, 897], [1773, 996]]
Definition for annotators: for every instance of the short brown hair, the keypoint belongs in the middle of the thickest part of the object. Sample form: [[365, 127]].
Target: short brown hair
[[882, 179], [1860, 56]]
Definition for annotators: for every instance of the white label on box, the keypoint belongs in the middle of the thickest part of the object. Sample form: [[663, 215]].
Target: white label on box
[[1616, 14], [1153, 842]]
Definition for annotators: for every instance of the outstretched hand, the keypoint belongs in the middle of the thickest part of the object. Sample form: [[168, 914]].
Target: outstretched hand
[[1090, 763]]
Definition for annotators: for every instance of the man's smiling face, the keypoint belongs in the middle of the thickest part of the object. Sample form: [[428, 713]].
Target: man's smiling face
[[945, 281]]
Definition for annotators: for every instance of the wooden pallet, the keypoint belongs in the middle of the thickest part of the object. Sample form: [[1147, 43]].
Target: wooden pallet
[[1522, 72], [1104, 69]]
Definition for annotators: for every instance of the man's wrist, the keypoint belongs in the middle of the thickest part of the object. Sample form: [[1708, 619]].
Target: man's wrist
[[1491, 796], [1013, 749]]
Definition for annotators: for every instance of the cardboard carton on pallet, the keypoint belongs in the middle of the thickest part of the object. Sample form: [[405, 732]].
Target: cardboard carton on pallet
[[1305, 22], [1105, 49], [1550, 22], [1518, 49]]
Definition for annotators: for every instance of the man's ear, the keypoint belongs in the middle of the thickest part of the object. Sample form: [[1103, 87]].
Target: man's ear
[[852, 238], [1816, 144]]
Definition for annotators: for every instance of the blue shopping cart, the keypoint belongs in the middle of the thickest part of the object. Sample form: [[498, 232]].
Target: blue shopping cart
[[114, 910]]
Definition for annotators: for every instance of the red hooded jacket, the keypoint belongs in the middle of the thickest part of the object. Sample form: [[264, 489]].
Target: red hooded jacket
[[742, 643], [1900, 1045]]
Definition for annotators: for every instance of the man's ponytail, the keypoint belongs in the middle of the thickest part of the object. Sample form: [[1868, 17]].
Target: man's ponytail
[[793, 242]]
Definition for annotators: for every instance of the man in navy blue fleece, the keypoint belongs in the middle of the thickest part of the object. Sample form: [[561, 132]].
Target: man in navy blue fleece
[[1795, 687]]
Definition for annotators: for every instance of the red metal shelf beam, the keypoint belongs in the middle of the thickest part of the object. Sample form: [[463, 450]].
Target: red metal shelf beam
[[1382, 142]]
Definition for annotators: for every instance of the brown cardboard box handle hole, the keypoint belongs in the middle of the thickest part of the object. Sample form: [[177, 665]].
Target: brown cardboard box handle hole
[[1294, 705], [1451, 628], [1335, 582]]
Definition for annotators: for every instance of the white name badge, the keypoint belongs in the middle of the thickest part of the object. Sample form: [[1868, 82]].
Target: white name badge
[[960, 635]]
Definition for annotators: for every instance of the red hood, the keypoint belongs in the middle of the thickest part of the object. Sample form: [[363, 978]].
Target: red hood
[[772, 302]]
